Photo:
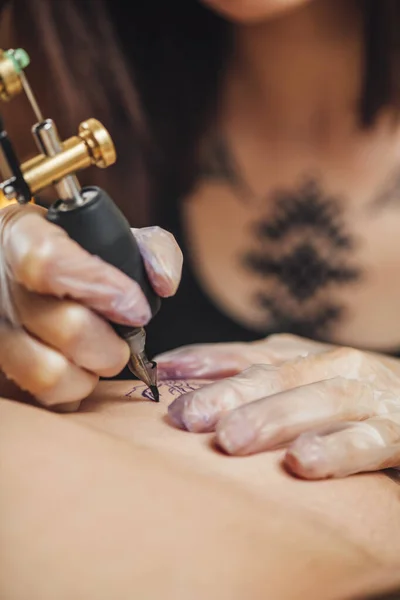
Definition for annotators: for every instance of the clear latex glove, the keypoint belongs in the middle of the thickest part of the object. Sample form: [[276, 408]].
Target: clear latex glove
[[336, 411], [54, 342], [213, 361]]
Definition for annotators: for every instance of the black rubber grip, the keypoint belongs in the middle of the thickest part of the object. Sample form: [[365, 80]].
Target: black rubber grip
[[100, 228]]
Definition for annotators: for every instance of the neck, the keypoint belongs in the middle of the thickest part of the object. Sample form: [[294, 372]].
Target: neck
[[301, 73]]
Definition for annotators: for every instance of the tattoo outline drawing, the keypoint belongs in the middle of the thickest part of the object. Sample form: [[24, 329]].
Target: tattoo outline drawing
[[175, 388]]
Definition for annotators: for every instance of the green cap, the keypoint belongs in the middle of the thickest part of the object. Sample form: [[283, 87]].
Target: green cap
[[20, 58]]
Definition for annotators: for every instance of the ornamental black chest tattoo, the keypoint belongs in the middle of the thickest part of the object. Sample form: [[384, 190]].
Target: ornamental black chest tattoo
[[305, 251]]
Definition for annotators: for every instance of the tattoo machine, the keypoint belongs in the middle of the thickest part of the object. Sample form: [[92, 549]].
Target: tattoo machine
[[88, 215]]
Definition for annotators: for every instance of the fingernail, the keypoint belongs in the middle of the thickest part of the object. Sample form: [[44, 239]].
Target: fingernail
[[306, 456], [132, 308], [168, 371], [165, 283], [163, 374], [175, 411], [176, 357], [176, 370], [236, 433], [190, 412]]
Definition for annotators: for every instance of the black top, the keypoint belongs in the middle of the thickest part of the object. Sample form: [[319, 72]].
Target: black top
[[190, 317]]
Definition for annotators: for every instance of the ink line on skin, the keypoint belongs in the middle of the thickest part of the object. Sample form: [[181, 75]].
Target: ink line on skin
[[175, 388]]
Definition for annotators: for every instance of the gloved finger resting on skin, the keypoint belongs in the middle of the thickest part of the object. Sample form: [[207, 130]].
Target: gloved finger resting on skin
[[371, 445], [40, 370], [208, 361], [43, 259], [214, 361], [282, 347], [199, 411], [83, 337], [277, 420], [162, 257]]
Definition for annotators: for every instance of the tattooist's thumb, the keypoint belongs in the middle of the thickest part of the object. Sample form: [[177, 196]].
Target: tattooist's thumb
[[162, 258]]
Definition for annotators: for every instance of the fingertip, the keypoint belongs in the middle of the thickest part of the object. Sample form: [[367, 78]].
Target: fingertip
[[235, 434], [168, 371], [75, 386], [306, 458], [190, 412], [117, 361], [68, 407], [162, 257], [163, 284], [294, 465], [179, 366], [175, 413], [189, 363]]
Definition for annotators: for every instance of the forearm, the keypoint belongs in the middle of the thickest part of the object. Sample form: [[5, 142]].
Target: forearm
[[84, 514]]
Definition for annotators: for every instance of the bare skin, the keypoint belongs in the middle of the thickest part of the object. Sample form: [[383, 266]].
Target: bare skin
[[94, 504]]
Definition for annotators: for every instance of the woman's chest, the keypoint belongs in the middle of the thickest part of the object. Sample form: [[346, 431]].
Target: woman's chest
[[317, 253]]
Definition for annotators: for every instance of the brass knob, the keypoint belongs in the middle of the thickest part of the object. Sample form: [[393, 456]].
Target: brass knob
[[99, 143]]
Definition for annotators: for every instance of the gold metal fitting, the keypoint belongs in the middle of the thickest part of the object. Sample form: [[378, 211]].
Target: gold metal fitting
[[92, 146], [10, 81], [99, 141]]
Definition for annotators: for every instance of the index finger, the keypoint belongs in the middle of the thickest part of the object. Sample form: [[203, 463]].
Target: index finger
[[41, 257]]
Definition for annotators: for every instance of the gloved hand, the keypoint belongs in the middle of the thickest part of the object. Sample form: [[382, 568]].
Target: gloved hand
[[54, 342], [335, 410]]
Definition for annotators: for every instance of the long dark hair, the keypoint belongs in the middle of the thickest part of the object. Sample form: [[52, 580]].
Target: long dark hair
[[160, 95]]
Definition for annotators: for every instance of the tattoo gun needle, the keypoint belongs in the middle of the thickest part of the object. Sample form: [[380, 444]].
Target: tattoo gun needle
[[142, 368], [155, 392]]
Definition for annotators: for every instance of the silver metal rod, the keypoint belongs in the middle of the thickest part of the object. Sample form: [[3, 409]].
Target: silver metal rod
[[31, 96], [49, 143]]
